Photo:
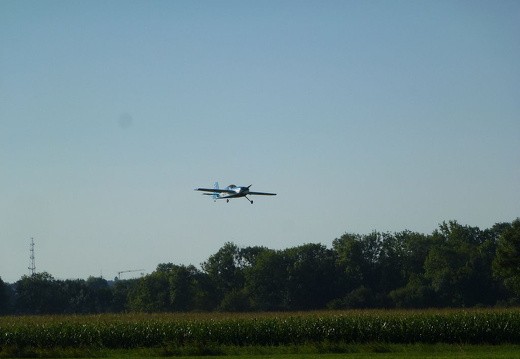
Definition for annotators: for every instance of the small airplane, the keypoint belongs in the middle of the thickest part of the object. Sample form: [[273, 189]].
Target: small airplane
[[232, 191]]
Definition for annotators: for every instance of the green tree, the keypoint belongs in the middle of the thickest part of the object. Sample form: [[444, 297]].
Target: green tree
[[266, 281], [171, 287], [506, 264], [225, 270], [416, 249], [459, 265], [416, 294], [350, 261], [99, 295], [311, 276], [445, 267], [151, 294], [247, 256], [392, 262], [235, 301], [5, 305], [360, 264], [121, 294], [75, 293], [184, 288], [38, 294]]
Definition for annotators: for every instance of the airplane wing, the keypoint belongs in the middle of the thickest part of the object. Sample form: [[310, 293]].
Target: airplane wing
[[262, 193], [214, 190]]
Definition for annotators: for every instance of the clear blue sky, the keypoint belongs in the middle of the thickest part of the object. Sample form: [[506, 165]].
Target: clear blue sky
[[361, 115]]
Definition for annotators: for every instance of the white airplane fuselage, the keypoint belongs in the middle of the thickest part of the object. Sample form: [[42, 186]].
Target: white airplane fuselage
[[240, 191]]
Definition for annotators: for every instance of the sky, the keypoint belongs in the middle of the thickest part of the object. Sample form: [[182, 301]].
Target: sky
[[360, 115]]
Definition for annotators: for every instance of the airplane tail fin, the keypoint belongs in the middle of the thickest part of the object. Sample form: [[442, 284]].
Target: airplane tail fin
[[215, 194]]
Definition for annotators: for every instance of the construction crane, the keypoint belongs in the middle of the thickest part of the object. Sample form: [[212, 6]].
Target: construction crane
[[128, 271]]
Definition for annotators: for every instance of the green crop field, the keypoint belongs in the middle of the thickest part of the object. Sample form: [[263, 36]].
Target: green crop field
[[309, 333]]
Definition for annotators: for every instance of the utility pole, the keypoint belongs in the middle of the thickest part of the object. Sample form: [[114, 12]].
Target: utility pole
[[32, 266]]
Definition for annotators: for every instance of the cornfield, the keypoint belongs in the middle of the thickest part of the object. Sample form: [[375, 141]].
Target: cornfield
[[129, 331]]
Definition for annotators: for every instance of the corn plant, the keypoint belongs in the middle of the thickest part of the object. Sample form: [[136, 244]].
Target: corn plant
[[268, 329]]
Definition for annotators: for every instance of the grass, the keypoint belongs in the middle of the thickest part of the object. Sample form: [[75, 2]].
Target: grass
[[371, 350]]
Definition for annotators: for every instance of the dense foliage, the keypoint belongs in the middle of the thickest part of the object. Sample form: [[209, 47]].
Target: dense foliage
[[267, 329], [455, 266]]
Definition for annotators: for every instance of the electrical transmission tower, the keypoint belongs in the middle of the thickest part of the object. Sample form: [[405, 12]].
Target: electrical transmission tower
[[32, 266]]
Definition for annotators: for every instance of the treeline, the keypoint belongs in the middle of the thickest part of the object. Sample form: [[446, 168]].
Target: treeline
[[455, 266]]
